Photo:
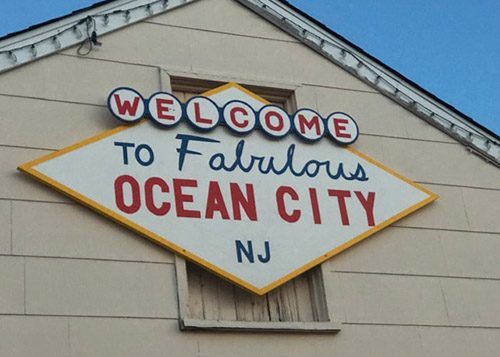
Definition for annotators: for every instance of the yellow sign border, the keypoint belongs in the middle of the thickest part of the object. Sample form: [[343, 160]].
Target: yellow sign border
[[28, 168]]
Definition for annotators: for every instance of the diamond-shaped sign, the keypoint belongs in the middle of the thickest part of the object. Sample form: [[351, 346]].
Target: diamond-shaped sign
[[255, 210]]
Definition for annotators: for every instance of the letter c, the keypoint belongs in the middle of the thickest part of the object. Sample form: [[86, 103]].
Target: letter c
[[295, 215]]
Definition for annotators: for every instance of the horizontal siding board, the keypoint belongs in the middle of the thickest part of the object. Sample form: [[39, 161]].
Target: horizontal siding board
[[16, 185], [69, 230], [22, 336], [11, 285], [447, 212], [471, 254], [459, 342], [376, 114], [222, 16], [395, 250], [398, 250], [49, 336], [5, 227], [25, 118], [265, 344], [458, 208], [129, 337], [352, 341], [370, 146], [78, 79], [472, 302], [100, 288], [439, 163], [381, 341], [389, 299], [483, 209], [412, 300], [265, 58]]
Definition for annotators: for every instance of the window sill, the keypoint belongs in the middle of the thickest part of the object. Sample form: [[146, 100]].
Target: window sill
[[188, 324]]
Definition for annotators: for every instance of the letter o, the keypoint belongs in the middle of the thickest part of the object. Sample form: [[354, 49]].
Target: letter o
[[274, 121], [119, 197], [138, 150]]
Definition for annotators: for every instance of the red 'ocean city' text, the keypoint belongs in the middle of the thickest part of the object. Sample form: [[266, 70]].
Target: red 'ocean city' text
[[157, 196]]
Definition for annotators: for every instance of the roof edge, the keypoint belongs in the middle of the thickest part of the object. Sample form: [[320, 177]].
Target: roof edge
[[77, 28], [60, 18]]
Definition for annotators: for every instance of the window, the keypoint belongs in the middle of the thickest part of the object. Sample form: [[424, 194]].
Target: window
[[208, 302], [186, 88]]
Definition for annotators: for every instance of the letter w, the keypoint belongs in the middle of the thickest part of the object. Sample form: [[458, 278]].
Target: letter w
[[126, 107]]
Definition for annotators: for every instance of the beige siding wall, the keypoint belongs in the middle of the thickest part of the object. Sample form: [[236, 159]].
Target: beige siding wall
[[74, 284]]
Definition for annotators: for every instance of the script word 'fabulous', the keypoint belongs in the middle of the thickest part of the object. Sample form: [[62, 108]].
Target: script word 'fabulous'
[[204, 114]]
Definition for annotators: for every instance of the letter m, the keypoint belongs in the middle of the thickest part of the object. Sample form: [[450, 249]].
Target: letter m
[[309, 124]]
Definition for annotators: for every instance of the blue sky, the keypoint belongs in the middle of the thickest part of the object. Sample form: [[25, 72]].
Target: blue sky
[[449, 47]]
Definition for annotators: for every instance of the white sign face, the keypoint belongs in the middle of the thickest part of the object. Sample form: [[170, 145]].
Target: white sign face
[[254, 210]]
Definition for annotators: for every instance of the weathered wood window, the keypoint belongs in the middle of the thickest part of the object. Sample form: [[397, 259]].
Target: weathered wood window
[[207, 301], [184, 89]]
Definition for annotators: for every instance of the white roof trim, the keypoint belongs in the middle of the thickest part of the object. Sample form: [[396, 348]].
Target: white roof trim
[[46, 40], [73, 30]]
